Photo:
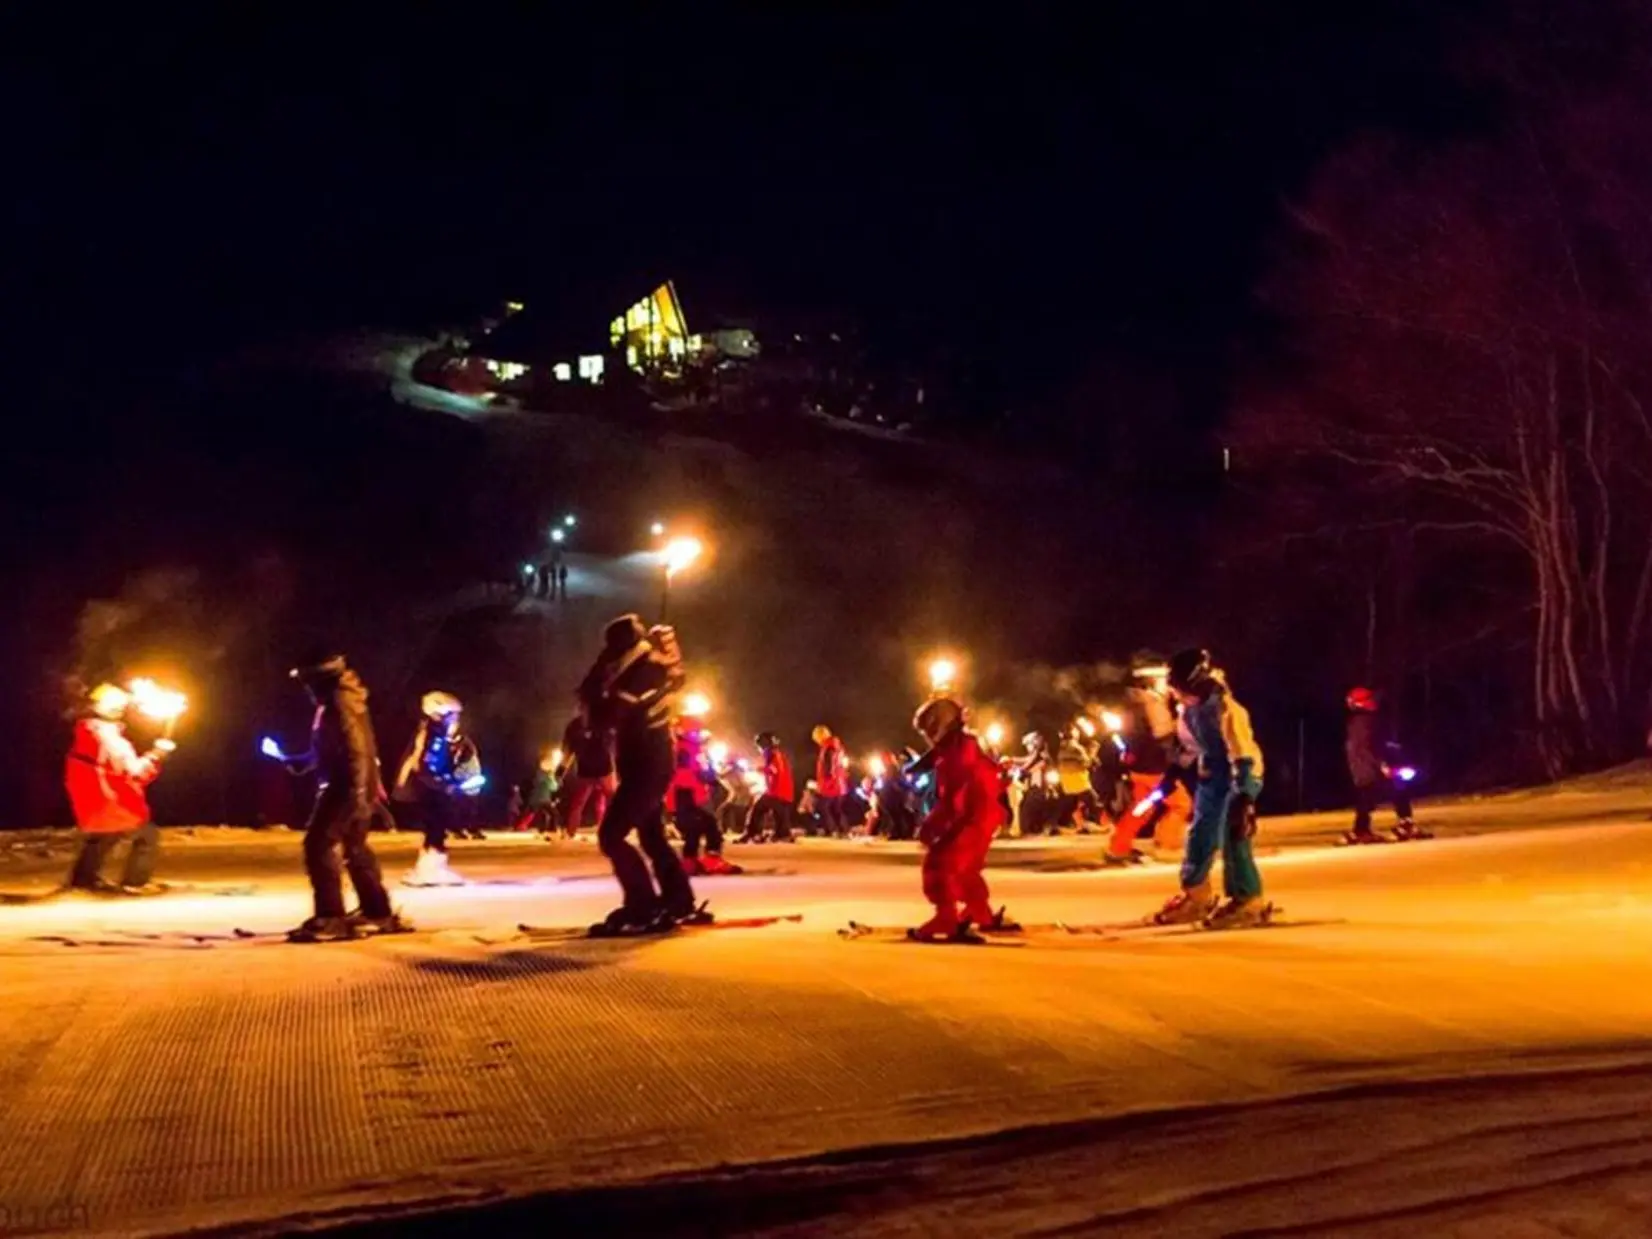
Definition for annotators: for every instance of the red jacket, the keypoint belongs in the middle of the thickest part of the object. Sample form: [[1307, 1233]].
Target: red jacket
[[693, 767], [968, 789], [777, 775], [106, 778], [830, 779]]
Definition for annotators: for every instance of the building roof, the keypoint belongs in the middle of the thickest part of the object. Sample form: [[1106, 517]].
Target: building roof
[[565, 322]]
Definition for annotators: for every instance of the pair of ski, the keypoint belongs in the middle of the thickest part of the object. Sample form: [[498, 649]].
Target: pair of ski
[[1021, 935], [567, 933], [1353, 839]]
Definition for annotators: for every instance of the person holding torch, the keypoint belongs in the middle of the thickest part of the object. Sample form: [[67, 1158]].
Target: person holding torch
[[108, 783]]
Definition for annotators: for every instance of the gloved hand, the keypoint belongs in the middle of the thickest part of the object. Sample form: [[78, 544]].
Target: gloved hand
[[1242, 817]]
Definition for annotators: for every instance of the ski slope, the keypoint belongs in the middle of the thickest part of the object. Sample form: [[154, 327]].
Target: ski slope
[[1458, 1044]]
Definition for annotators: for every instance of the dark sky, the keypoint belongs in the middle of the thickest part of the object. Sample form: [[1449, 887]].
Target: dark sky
[[1054, 185]]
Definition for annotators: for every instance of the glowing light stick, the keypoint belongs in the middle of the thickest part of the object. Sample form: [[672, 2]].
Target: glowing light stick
[[269, 748], [1142, 809]]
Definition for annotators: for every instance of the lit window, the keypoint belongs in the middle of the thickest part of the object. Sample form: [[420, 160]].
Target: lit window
[[696, 343], [514, 307], [675, 346], [512, 370], [631, 355], [563, 371], [591, 368]]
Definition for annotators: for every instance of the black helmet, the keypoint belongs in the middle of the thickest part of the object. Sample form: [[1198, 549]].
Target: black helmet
[[1188, 668], [623, 633], [320, 665], [767, 740], [937, 716]]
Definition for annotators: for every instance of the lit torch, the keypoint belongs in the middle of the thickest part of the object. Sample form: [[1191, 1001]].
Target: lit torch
[[943, 674], [161, 704]]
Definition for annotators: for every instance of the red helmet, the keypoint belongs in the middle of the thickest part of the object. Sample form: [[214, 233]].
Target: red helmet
[[1362, 700]]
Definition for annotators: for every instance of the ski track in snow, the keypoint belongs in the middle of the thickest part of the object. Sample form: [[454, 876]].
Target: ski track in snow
[[153, 1080]]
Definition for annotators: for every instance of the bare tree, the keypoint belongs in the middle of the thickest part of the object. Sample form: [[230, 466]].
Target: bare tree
[[1471, 325]]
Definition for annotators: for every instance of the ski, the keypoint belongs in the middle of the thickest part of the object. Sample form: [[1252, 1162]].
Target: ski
[[558, 933], [857, 932]]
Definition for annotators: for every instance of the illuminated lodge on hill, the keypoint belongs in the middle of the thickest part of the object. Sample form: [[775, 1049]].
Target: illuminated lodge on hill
[[529, 345]]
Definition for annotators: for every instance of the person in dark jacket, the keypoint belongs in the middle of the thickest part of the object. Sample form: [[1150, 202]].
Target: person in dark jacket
[[350, 796], [1376, 766], [588, 772], [629, 691]]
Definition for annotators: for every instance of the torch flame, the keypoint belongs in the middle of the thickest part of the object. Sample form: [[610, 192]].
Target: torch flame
[[680, 553], [943, 673], [156, 702], [695, 705]]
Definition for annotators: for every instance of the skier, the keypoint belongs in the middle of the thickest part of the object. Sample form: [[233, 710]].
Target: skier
[[439, 761], [1075, 761], [831, 781], [107, 784], [1224, 802], [539, 809], [350, 796], [1374, 763], [1034, 806], [588, 770], [958, 831], [897, 814], [629, 691], [691, 783], [1155, 761], [775, 803]]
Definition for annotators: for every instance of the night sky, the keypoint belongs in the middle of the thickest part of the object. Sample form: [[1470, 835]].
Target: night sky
[[1055, 214], [1023, 186]]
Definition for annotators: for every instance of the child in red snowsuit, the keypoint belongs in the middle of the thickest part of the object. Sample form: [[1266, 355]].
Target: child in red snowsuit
[[969, 809]]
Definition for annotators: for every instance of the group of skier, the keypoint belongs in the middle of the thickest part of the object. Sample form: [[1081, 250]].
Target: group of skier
[[629, 749]]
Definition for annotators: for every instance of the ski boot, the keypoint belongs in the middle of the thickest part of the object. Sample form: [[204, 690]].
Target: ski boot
[[1131, 858], [1354, 838], [323, 929], [692, 914], [714, 864], [432, 869], [147, 888], [942, 927], [997, 922], [1407, 830], [692, 866], [1240, 914], [1187, 907], [625, 922], [395, 923]]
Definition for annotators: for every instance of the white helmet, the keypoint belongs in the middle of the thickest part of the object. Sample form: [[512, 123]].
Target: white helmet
[[109, 701], [438, 705]]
